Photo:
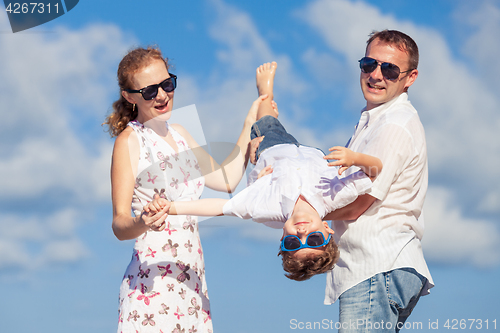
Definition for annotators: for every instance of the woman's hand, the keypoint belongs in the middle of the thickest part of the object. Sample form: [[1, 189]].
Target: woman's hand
[[275, 107], [155, 213], [252, 113]]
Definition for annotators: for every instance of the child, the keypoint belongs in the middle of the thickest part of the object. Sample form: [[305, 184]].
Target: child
[[291, 186]]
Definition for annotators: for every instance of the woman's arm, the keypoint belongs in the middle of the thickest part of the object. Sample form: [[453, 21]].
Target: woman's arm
[[226, 176], [123, 169]]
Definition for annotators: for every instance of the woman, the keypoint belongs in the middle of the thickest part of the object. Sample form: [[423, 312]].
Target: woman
[[164, 287]]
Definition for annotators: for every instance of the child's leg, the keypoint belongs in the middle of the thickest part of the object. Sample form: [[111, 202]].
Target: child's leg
[[265, 82], [269, 127]]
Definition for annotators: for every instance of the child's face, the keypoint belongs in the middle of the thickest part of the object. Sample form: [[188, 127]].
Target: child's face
[[301, 223]]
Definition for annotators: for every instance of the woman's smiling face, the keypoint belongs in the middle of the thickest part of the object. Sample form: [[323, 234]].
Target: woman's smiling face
[[154, 73]]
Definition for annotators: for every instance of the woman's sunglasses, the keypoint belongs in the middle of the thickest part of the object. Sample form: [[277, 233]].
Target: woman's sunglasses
[[389, 71], [150, 92], [314, 239]]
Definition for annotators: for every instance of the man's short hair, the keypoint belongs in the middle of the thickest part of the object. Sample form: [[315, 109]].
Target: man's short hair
[[304, 268], [401, 40]]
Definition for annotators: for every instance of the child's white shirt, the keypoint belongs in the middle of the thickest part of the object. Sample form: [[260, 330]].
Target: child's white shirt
[[296, 171]]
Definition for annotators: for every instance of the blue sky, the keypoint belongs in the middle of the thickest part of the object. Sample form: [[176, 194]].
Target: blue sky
[[61, 266]]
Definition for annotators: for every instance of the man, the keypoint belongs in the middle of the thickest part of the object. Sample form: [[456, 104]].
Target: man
[[381, 272]]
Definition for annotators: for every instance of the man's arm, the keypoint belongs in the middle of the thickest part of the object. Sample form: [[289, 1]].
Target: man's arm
[[353, 210]]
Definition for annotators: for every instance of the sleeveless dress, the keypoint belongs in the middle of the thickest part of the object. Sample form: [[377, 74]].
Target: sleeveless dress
[[164, 288]]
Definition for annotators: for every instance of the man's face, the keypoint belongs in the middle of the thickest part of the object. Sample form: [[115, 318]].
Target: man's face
[[378, 90]]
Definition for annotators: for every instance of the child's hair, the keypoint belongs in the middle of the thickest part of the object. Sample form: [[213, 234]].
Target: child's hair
[[135, 60], [304, 268]]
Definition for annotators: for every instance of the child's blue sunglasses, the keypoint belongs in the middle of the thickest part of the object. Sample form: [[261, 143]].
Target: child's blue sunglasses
[[314, 239]]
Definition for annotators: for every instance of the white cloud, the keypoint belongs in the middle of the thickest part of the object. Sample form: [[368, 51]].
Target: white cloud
[[31, 242], [490, 202], [327, 70], [345, 25], [52, 85], [236, 30], [458, 105], [452, 237], [482, 45]]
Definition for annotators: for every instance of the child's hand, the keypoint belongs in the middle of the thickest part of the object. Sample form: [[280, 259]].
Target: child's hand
[[157, 204], [264, 172], [155, 213], [344, 158]]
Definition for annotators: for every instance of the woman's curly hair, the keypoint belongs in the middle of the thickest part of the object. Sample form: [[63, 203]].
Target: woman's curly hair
[[123, 111]]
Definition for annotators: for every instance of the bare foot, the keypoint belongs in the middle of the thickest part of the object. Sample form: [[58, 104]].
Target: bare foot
[[265, 79]]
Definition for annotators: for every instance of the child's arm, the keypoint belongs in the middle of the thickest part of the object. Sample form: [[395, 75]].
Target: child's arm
[[202, 207], [345, 158]]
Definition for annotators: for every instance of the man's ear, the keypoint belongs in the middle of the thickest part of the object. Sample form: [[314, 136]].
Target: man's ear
[[411, 78]]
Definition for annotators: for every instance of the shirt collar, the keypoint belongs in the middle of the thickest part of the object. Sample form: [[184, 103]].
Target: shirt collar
[[376, 112]]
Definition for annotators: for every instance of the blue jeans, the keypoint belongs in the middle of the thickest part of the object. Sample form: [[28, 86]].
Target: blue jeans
[[381, 303], [274, 134]]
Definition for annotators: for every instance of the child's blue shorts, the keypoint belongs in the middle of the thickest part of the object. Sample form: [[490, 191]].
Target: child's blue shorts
[[274, 134]]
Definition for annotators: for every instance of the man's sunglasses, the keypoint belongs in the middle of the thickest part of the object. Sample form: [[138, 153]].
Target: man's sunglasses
[[314, 239], [150, 92], [389, 71]]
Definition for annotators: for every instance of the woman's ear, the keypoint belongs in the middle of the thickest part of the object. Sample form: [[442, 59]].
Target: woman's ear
[[129, 97]]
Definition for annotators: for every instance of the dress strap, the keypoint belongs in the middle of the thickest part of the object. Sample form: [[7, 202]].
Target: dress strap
[[178, 138]]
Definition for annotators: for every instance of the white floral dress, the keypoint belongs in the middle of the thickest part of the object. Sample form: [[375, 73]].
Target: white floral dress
[[164, 288]]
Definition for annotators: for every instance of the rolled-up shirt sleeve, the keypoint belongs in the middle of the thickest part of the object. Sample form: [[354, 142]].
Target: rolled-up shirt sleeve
[[392, 144]]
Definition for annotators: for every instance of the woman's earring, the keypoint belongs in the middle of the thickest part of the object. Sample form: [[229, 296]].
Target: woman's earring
[[133, 107]]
